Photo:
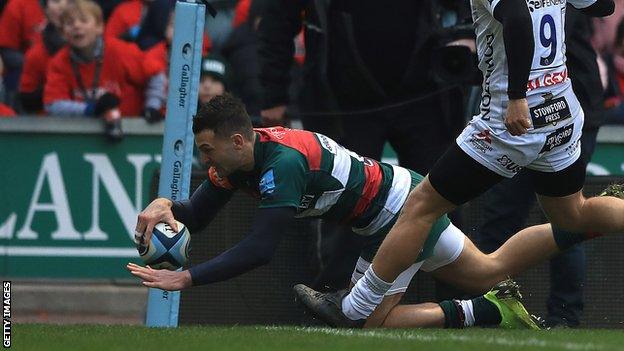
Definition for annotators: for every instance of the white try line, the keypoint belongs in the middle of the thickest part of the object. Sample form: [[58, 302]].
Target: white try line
[[488, 340], [68, 251]]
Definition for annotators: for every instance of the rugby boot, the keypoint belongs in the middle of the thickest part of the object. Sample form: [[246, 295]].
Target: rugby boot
[[326, 306], [506, 296], [616, 190]]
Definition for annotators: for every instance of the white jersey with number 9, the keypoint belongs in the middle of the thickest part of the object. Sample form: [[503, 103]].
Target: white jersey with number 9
[[549, 75]]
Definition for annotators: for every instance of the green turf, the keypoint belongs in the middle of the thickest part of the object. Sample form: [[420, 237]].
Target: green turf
[[81, 337]]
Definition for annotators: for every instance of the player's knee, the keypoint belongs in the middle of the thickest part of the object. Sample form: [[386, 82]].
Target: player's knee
[[420, 205], [491, 271]]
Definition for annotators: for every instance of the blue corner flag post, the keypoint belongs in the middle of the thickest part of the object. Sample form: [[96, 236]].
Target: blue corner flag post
[[177, 151]]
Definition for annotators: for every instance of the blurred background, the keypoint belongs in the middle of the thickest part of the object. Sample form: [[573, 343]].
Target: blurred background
[[82, 98]]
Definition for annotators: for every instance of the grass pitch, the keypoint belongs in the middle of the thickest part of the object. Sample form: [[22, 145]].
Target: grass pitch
[[257, 338]]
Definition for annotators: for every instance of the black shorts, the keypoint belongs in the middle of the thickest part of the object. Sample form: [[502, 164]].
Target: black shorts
[[459, 178]]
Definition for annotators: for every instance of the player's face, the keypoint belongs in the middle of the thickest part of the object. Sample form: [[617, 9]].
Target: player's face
[[222, 153], [82, 30]]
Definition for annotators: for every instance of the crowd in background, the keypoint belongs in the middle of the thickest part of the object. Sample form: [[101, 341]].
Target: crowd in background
[[35, 34], [365, 75], [105, 59]]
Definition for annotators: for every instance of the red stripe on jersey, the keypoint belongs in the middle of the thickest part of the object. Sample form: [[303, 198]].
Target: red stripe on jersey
[[303, 141], [374, 178]]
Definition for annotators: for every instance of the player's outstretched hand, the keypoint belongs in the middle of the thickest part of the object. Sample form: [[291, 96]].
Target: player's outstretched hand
[[161, 278], [157, 211], [517, 120]]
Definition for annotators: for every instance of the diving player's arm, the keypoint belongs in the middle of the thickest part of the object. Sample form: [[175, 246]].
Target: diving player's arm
[[519, 47], [600, 8], [255, 250], [196, 212], [201, 208]]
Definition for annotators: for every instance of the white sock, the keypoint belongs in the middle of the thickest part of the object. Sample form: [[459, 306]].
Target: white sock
[[365, 296], [469, 318]]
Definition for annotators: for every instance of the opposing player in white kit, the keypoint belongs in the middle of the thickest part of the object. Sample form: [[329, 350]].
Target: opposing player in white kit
[[529, 118]]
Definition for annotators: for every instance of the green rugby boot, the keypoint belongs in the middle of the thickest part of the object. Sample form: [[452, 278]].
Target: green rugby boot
[[506, 296], [616, 190]]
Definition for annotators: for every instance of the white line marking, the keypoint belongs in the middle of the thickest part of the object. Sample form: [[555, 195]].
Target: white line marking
[[408, 335], [68, 251]]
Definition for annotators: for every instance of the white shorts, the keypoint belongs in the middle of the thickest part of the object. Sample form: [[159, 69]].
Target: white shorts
[[446, 251], [550, 148]]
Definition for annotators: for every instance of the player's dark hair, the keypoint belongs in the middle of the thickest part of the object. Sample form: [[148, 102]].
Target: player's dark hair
[[225, 115]]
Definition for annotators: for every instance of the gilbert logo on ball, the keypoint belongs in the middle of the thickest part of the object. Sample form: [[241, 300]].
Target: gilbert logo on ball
[[167, 249]]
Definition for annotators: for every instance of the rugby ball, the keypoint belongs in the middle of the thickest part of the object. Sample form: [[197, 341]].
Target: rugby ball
[[166, 249]]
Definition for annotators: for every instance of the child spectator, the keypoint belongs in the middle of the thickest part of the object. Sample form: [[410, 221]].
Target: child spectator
[[20, 24], [38, 56], [212, 81], [95, 76]]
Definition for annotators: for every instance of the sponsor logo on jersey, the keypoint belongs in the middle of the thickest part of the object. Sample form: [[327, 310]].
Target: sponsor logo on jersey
[[267, 185], [509, 164], [547, 80], [550, 112], [538, 4], [558, 138], [482, 141], [326, 144], [278, 133], [486, 96]]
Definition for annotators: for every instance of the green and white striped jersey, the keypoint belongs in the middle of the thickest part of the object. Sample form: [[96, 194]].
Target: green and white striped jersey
[[311, 172]]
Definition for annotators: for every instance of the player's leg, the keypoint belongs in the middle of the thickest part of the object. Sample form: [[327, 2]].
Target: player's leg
[[423, 315], [393, 295], [475, 272], [422, 209], [599, 215], [563, 202], [457, 261], [500, 306], [327, 306], [558, 177]]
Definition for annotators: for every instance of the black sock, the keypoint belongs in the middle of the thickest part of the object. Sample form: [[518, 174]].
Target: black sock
[[453, 314], [485, 312]]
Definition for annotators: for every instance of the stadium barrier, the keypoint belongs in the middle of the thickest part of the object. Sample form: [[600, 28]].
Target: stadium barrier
[[69, 210], [264, 296]]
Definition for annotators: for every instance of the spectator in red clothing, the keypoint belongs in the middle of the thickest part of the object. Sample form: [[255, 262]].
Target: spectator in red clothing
[[241, 12], [96, 76], [125, 21], [6, 111], [20, 24], [37, 57], [158, 25]]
